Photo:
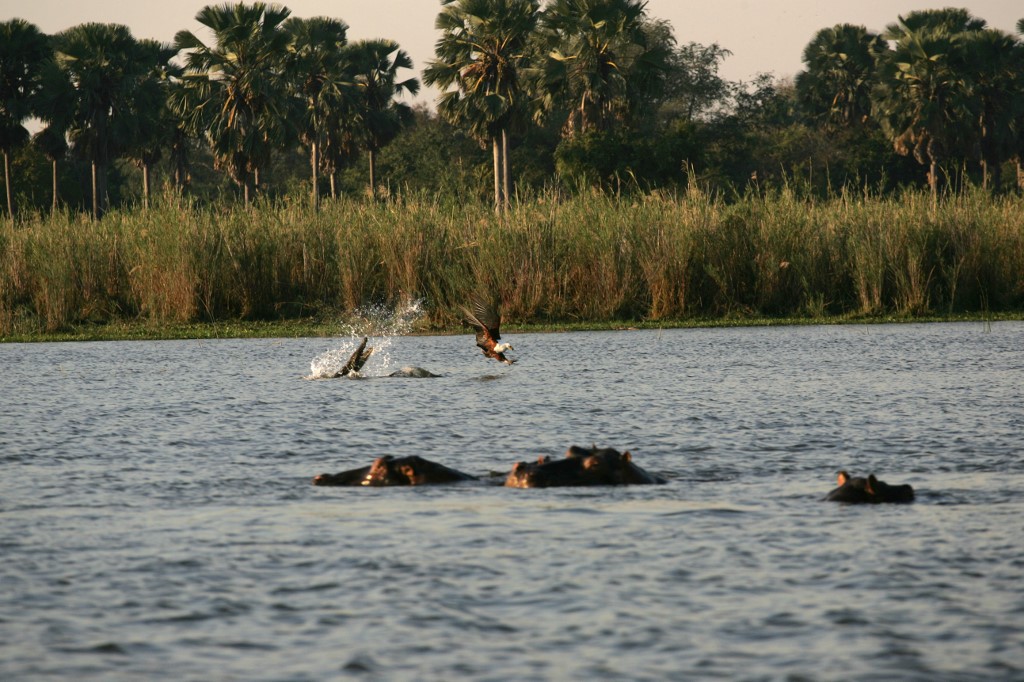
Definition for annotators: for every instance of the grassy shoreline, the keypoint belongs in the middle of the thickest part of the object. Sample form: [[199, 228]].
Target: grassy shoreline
[[180, 270], [312, 328]]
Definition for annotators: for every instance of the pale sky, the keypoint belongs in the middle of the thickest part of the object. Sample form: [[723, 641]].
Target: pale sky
[[764, 36]]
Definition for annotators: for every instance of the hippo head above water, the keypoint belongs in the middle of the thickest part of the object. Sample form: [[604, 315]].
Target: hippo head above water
[[870, 490], [388, 470], [581, 467]]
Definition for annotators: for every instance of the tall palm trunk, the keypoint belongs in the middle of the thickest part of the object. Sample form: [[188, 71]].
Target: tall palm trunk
[[506, 171], [933, 182], [53, 208], [314, 161], [373, 174], [248, 188], [145, 186], [97, 209], [498, 165], [7, 186]]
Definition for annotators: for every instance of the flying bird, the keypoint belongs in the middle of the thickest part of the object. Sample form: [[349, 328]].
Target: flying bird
[[487, 320], [356, 362]]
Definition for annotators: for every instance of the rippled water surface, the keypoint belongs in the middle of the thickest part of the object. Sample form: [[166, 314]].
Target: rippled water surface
[[157, 519]]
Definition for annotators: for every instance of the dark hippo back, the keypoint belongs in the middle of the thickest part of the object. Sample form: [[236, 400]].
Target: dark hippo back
[[870, 490], [349, 477], [411, 470], [389, 470], [581, 467]]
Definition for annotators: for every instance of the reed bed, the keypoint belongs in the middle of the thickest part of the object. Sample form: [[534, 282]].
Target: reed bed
[[553, 259]]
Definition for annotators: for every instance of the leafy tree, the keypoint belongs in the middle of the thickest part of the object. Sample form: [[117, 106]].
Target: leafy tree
[[24, 49], [322, 81], [432, 156], [693, 86], [375, 65], [481, 55], [238, 85]]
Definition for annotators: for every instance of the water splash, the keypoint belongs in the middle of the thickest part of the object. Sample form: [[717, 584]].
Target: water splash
[[382, 325]]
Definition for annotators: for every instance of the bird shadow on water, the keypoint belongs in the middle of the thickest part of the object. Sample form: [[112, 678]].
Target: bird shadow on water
[[490, 377]]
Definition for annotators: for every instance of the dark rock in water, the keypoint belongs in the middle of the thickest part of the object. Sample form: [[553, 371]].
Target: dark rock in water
[[388, 470], [581, 467], [413, 373], [870, 490]]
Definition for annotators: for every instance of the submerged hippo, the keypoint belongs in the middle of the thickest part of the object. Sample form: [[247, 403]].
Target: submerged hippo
[[389, 470], [868, 490], [581, 467]]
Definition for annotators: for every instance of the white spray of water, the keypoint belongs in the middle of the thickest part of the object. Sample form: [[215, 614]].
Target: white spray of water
[[382, 325]]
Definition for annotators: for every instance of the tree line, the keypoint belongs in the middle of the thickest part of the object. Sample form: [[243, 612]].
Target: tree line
[[578, 93]]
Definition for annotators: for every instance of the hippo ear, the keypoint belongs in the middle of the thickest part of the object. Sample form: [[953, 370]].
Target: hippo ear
[[841, 478], [626, 457], [872, 484]]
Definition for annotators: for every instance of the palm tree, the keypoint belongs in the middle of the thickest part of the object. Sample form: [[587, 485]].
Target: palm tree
[[341, 143], [54, 106], [24, 49], [601, 60], [108, 72], [950, 19], [995, 61], [321, 81], [152, 126], [1019, 149], [480, 55], [923, 99], [51, 141], [835, 89], [238, 86], [184, 99], [375, 65]]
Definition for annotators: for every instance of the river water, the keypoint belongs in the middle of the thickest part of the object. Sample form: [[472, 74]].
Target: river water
[[157, 519]]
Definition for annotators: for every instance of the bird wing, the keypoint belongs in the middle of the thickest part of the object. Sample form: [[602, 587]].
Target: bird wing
[[484, 316], [488, 316]]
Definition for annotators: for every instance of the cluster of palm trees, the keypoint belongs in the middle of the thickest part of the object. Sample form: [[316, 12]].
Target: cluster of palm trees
[[599, 76], [590, 64], [941, 85], [266, 81]]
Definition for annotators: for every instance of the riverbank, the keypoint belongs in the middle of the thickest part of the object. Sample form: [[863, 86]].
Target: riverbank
[[311, 328]]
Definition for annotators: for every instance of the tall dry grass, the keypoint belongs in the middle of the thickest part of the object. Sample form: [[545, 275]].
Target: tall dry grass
[[590, 258]]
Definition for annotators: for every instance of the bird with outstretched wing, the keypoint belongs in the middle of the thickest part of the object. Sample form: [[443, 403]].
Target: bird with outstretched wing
[[485, 316]]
